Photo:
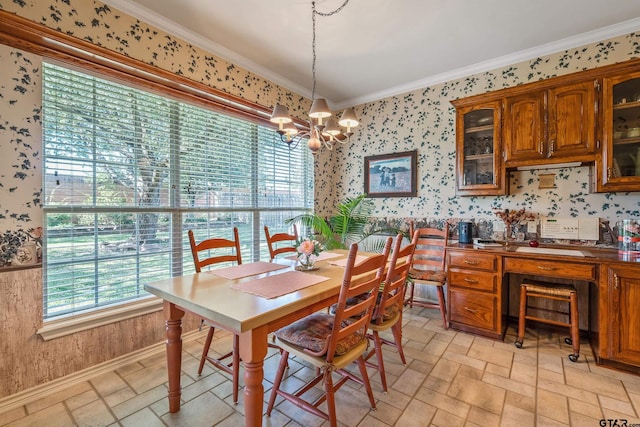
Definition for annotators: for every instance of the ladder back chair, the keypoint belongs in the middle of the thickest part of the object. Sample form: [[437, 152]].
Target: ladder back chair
[[330, 343], [429, 267], [388, 310], [280, 243], [200, 260]]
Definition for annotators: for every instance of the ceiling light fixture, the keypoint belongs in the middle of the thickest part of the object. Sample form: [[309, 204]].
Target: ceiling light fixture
[[323, 129]]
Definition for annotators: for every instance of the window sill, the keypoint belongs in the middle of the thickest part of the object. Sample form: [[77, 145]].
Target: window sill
[[81, 322]]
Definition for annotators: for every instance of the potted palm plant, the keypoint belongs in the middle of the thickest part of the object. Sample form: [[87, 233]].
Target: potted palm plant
[[350, 224]]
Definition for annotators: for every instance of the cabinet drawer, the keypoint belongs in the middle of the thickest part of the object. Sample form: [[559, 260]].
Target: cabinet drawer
[[476, 261], [472, 308], [559, 269], [478, 280]]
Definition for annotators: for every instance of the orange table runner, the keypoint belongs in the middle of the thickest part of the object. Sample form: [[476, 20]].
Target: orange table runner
[[245, 270], [279, 284]]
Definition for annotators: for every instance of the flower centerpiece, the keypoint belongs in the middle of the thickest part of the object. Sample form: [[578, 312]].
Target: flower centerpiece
[[308, 250], [510, 217]]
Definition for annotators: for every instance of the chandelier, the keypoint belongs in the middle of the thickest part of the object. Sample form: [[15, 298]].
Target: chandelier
[[323, 129]]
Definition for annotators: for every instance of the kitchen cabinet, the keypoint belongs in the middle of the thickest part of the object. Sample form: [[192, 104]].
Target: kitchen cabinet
[[619, 314], [476, 303], [479, 168], [620, 168], [553, 125]]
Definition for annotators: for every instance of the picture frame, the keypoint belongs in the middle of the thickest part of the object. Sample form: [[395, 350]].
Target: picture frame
[[391, 175]]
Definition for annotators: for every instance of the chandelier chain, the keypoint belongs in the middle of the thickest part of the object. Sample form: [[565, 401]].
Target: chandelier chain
[[315, 12]]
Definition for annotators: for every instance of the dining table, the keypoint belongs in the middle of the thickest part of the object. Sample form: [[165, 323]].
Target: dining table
[[251, 300]]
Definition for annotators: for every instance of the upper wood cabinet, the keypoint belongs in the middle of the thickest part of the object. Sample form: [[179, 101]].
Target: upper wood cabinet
[[552, 126], [479, 168], [620, 166]]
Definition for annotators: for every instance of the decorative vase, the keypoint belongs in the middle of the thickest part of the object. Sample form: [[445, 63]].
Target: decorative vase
[[507, 234], [306, 263]]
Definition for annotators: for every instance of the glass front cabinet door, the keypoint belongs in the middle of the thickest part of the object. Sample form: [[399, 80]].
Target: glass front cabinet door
[[620, 170], [479, 168]]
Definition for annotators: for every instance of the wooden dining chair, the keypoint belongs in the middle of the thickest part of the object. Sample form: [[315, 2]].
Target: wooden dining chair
[[428, 267], [281, 243], [332, 342], [387, 313], [206, 253]]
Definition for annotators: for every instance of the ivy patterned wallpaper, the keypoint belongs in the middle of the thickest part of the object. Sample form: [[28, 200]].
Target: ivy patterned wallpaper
[[20, 97], [425, 120]]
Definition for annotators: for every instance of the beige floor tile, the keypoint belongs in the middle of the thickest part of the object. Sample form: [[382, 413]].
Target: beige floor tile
[[579, 407], [490, 354], [444, 402], [138, 402], [51, 416], [445, 419], [523, 373], [619, 406], [568, 391], [468, 371], [509, 384], [595, 383], [417, 414], [477, 393], [521, 401], [465, 360], [553, 405], [514, 416], [451, 378], [385, 414], [542, 421], [204, 411], [483, 417], [144, 417], [57, 397], [81, 399], [93, 414], [409, 382], [578, 419], [110, 382], [498, 370], [445, 370]]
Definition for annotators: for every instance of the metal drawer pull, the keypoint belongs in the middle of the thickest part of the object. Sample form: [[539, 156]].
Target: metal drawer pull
[[616, 281], [471, 310], [546, 268], [466, 279], [466, 261]]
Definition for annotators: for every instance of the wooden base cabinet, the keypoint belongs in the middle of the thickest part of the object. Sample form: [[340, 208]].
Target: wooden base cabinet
[[620, 315], [475, 293]]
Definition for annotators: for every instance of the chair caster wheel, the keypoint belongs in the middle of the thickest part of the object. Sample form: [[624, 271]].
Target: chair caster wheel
[[569, 341], [518, 344], [574, 357]]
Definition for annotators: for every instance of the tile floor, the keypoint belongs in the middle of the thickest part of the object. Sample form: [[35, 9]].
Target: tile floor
[[451, 379]]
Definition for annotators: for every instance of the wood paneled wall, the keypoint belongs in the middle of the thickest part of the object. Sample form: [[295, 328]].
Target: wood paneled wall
[[26, 360]]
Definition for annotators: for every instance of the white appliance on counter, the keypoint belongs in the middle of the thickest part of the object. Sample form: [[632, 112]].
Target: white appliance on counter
[[585, 228]]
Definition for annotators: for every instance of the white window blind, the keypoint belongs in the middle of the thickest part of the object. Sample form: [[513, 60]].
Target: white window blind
[[128, 172]]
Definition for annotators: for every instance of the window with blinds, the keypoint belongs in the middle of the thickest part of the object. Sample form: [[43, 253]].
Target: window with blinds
[[128, 172]]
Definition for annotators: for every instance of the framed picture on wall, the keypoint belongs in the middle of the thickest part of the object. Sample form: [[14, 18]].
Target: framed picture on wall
[[391, 175]]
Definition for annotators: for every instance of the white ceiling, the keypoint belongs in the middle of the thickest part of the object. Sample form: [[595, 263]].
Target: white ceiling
[[377, 48]]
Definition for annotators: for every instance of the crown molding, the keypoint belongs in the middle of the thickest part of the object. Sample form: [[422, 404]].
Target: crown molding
[[492, 64], [150, 17]]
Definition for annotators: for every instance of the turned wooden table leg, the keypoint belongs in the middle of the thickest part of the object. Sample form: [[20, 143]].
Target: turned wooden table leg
[[173, 316], [253, 350]]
